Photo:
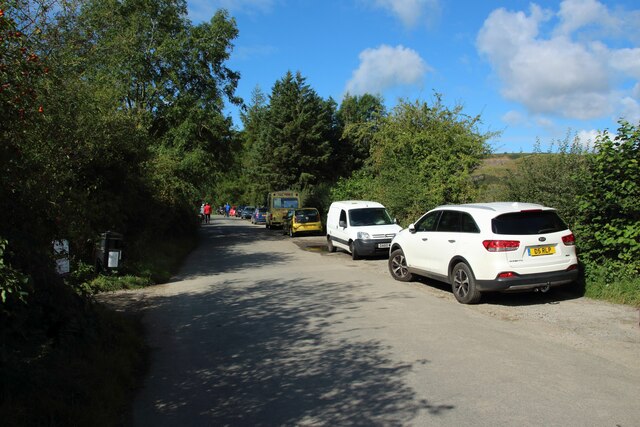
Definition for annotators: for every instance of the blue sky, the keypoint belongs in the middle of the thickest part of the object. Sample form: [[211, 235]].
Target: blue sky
[[532, 70]]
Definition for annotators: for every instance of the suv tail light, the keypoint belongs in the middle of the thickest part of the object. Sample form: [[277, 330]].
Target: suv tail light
[[501, 245], [569, 240], [507, 275]]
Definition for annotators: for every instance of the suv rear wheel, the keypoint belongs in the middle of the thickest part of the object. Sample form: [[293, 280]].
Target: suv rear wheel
[[398, 266], [464, 284]]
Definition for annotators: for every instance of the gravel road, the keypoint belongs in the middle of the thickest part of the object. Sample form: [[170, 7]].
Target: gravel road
[[260, 329]]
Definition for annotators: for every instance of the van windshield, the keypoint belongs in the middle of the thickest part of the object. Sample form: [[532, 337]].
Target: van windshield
[[369, 216]]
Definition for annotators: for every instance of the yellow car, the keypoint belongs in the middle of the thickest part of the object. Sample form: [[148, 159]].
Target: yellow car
[[302, 220]]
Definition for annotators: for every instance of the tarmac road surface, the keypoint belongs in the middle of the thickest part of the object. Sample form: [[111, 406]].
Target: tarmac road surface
[[259, 329]]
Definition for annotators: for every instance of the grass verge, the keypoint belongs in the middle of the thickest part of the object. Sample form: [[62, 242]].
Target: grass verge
[[610, 281]]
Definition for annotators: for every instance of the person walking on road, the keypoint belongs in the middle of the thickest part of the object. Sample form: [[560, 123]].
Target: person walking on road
[[227, 208], [207, 212], [202, 212]]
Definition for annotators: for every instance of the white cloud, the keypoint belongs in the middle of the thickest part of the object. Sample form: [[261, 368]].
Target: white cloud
[[251, 52], [514, 118], [559, 72], [587, 137], [630, 110], [545, 122], [627, 61], [387, 67], [411, 12], [576, 14]]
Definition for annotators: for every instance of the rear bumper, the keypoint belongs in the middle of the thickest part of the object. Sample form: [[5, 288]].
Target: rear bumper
[[528, 281], [307, 228]]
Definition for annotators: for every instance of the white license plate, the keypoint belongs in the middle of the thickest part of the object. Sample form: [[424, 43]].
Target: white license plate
[[384, 245]]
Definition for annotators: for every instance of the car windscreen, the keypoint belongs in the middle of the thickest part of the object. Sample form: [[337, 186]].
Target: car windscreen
[[369, 216], [528, 222]]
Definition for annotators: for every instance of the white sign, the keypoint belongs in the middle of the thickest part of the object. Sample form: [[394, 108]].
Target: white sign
[[61, 253], [114, 257]]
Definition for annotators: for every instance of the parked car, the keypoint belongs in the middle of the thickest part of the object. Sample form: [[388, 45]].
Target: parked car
[[362, 228], [238, 212], [247, 211], [302, 220], [488, 247], [259, 216], [232, 211]]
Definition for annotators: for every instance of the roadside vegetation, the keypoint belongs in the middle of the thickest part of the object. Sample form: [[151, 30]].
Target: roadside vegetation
[[113, 119]]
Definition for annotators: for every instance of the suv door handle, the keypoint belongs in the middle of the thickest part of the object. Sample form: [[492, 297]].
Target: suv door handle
[[424, 239], [452, 241]]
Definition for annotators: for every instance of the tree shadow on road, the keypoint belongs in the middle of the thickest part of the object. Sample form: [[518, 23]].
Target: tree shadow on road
[[218, 250], [274, 353]]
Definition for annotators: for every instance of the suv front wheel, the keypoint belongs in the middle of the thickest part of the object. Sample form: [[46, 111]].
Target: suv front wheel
[[464, 284], [398, 266]]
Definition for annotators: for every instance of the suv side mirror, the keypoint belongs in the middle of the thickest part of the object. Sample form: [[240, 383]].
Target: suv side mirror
[[412, 228]]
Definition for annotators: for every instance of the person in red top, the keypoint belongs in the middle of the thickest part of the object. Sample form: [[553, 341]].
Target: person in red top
[[207, 212]]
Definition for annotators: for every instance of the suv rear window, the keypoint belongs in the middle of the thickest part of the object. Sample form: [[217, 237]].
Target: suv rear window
[[528, 222]]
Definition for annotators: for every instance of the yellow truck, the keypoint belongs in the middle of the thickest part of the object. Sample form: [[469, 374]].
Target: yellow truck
[[278, 204]]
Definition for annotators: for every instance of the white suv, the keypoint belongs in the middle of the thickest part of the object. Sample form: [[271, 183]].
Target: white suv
[[487, 247]]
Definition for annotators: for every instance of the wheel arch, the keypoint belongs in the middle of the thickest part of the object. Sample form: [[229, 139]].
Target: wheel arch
[[456, 260], [394, 247]]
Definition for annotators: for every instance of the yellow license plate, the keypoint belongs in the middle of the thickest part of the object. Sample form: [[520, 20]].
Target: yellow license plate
[[542, 250]]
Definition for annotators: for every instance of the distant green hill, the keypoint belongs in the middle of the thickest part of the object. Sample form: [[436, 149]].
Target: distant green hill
[[492, 174]]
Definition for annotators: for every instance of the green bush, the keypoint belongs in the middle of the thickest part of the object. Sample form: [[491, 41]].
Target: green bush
[[84, 372], [13, 284], [613, 281], [553, 178], [609, 207], [421, 156]]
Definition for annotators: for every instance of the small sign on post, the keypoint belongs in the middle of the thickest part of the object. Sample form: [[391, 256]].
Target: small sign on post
[[61, 255]]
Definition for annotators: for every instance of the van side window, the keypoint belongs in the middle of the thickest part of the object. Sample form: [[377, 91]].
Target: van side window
[[343, 218]]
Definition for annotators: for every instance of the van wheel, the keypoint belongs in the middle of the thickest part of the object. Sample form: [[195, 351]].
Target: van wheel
[[354, 253], [464, 284], [330, 246], [398, 266]]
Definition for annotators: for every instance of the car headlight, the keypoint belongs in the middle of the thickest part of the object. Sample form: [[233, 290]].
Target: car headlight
[[363, 235]]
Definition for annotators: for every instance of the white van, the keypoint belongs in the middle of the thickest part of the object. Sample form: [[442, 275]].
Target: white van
[[360, 227]]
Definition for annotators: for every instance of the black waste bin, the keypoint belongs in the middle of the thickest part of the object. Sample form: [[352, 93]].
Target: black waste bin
[[109, 251]]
